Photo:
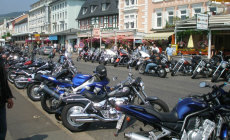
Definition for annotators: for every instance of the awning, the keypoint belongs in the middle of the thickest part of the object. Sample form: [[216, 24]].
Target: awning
[[159, 36]]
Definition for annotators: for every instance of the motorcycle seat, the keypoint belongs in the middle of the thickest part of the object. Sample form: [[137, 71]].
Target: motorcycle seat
[[93, 97], [65, 81], [163, 116]]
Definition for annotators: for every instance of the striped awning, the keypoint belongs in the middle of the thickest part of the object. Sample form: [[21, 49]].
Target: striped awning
[[221, 0], [159, 36]]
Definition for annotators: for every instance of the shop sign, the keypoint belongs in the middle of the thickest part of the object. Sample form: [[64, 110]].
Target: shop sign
[[202, 21], [96, 32], [175, 48], [81, 44], [53, 37]]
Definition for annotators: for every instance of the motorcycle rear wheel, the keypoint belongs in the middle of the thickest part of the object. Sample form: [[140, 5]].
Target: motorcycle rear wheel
[[70, 123], [159, 105], [47, 103], [173, 73]]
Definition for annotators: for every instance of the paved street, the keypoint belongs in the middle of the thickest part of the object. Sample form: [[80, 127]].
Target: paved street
[[31, 122]]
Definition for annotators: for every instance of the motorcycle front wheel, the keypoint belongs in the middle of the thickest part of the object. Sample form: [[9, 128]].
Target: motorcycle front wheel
[[159, 105], [50, 104], [215, 76], [32, 92], [18, 84], [141, 69], [68, 121]]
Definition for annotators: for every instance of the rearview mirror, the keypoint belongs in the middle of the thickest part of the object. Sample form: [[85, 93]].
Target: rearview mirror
[[203, 84]]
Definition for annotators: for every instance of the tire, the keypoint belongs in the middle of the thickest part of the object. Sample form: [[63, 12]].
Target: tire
[[194, 75], [68, 122], [104, 63], [159, 105], [215, 76], [141, 69], [9, 77], [162, 73], [19, 85], [136, 67], [115, 64], [50, 104], [92, 61], [58, 116], [173, 73], [32, 92]]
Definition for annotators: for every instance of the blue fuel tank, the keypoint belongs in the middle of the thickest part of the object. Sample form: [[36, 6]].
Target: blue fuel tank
[[80, 78]]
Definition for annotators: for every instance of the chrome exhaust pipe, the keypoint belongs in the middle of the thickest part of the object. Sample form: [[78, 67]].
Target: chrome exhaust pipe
[[19, 81], [90, 118], [134, 136], [49, 91]]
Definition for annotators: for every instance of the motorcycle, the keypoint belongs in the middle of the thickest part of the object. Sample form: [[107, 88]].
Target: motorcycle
[[183, 66], [222, 70], [80, 110], [109, 56], [143, 55], [122, 58], [198, 117]]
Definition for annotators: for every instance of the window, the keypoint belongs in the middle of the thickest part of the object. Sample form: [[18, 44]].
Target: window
[[159, 19], [197, 10], [132, 2], [183, 14], [101, 22], [110, 21], [65, 14], [104, 6], [65, 26], [84, 10], [93, 8], [60, 15], [127, 25], [115, 21], [53, 17], [92, 21], [106, 21], [170, 17], [213, 9], [127, 2], [117, 4], [65, 4], [96, 22]]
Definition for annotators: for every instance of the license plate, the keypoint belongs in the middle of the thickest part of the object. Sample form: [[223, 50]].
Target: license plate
[[167, 69], [199, 69], [120, 121]]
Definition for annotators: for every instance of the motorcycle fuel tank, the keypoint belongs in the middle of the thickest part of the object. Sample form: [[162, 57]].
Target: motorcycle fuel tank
[[189, 105], [80, 78]]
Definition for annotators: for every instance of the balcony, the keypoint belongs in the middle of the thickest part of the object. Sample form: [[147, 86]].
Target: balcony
[[131, 8]]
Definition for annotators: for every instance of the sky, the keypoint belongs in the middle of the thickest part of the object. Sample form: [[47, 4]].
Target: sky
[[8, 6]]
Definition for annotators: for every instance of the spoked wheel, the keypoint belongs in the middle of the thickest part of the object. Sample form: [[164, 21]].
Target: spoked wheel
[[10, 76], [141, 68], [50, 104], [32, 92], [68, 118], [159, 105], [18, 82]]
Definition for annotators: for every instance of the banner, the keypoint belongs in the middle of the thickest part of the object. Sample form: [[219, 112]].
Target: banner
[[202, 21]]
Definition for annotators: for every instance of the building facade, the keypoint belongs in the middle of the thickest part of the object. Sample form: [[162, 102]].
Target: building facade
[[39, 14]]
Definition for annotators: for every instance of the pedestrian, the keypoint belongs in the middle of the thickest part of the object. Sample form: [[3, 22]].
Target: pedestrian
[[5, 97], [155, 49], [69, 49], [114, 47], [169, 52]]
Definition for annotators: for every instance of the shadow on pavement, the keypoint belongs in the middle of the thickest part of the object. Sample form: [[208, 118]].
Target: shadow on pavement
[[35, 137]]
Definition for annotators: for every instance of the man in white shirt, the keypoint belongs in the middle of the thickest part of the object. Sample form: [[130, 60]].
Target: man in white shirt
[[155, 48], [69, 48]]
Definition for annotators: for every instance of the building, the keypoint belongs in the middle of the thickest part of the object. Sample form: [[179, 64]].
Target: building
[[20, 33], [62, 17], [39, 14]]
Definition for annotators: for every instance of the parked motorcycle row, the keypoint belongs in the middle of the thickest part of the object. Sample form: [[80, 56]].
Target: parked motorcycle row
[[78, 99], [194, 66]]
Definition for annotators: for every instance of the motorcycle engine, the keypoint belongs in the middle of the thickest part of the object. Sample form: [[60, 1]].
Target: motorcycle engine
[[200, 131]]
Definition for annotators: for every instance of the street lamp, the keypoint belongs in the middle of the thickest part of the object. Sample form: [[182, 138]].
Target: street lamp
[[91, 29]]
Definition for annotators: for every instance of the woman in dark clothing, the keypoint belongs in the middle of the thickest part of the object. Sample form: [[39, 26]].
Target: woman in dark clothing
[[5, 97]]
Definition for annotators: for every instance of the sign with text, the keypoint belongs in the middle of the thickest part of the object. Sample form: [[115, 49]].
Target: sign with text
[[96, 32], [202, 21]]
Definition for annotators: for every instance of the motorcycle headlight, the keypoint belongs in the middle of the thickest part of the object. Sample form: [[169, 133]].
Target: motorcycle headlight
[[142, 85]]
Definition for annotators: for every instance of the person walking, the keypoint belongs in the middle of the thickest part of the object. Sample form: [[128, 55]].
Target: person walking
[[5, 97], [69, 49], [169, 52]]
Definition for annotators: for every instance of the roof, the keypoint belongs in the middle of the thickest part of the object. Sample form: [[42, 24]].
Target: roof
[[112, 9], [21, 21]]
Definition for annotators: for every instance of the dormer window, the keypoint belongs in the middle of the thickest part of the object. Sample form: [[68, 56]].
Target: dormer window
[[93, 8], [104, 6], [127, 2], [84, 10]]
